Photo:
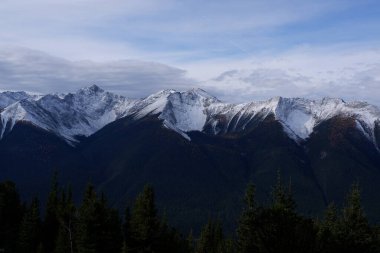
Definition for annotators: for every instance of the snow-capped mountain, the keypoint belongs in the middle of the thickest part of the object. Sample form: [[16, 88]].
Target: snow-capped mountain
[[298, 116], [90, 109], [196, 110], [191, 146], [67, 115], [7, 98]]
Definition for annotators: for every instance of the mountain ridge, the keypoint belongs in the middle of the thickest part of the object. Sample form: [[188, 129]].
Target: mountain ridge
[[85, 112]]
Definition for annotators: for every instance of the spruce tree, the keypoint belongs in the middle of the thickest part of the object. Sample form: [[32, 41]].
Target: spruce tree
[[169, 240], [282, 198], [144, 223], [88, 226], [211, 239], [98, 226], [280, 228], [146, 232], [355, 233], [246, 232], [11, 213], [126, 230], [229, 246], [66, 215], [110, 238], [30, 230], [51, 224], [327, 232], [190, 242]]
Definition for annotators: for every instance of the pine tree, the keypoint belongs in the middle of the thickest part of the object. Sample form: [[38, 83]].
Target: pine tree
[[99, 227], [63, 242], [169, 240], [247, 238], [126, 230], [280, 228], [282, 199], [11, 213], [30, 230], [144, 223], [110, 238], [229, 246], [211, 239], [51, 223], [328, 228], [190, 242], [147, 232], [87, 224], [66, 215], [355, 234]]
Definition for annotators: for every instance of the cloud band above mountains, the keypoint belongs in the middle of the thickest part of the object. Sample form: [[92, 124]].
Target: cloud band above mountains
[[298, 74], [35, 71]]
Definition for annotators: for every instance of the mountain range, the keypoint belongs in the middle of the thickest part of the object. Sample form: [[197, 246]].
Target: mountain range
[[198, 152]]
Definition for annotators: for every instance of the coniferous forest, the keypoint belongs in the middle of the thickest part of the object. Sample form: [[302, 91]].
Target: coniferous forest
[[93, 226]]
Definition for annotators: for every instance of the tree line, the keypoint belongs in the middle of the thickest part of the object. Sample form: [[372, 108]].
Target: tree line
[[93, 226]]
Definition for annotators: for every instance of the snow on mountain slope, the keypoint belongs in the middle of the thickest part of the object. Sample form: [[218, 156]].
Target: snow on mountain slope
[[180, 111], [298, 116], [224, 118], [194, 109], [10, 116], [8, 97], [68, 116], [187, 110], [91, 108]]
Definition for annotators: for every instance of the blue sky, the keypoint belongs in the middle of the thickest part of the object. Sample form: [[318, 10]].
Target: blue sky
[[269, 48]]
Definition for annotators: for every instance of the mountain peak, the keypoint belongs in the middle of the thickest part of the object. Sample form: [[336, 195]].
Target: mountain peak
[[92, 89], [197, 90], [193, 92], [201, 92], [9, 97], [326, 100]]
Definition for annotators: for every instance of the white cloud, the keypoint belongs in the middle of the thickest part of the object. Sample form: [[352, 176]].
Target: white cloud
[[30, 70], [303, 72], [88, 41]]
